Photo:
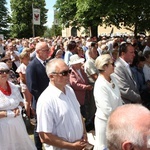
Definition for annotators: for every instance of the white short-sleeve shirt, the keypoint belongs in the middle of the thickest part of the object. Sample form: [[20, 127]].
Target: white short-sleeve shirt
[[59, 114]]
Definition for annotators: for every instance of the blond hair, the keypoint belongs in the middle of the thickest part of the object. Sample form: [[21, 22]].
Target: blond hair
[[23, 55]]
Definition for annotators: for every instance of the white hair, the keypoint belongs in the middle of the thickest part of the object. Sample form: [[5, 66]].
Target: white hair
[[117, 135], [121, 126], [52, 65]]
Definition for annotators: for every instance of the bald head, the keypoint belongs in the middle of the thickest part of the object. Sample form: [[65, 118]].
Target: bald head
[[129, 123], [40, 46], [42, 50], [130, 112]]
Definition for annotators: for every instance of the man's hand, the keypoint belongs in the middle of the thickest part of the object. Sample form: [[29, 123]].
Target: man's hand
[[79, 145]]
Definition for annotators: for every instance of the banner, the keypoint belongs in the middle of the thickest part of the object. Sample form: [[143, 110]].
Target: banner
[[36, 16]]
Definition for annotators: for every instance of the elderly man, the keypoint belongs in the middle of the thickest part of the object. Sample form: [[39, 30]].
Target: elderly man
[[37, 80], [60, 124], [14, 55], [123, 74], [129, 131]]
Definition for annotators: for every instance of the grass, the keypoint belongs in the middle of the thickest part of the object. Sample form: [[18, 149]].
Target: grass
[[30, 129]]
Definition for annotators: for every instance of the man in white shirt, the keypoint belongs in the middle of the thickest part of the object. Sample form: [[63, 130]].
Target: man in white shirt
[[60, 124]]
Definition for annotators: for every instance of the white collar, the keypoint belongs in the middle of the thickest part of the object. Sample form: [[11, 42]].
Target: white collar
[[124, 62], [41, 61]]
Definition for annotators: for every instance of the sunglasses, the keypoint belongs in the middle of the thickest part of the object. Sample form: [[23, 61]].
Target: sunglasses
[[63, 73], [4, 71]]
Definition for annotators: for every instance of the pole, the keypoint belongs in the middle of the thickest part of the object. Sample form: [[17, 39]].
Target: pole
[[33, 31]]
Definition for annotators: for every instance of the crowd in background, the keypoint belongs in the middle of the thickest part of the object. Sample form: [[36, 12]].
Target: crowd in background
[[91, 60]]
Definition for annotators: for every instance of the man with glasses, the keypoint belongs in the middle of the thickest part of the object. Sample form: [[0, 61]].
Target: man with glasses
[[37, 80], [60, 124]]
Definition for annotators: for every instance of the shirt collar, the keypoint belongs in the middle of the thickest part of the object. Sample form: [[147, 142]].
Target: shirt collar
[[124, 62], [41, 61], [57, 91]]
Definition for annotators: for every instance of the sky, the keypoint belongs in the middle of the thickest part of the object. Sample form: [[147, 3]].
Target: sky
[[50, 13]]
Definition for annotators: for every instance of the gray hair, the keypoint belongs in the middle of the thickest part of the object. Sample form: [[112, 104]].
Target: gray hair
[[121, 126], [52, 65]]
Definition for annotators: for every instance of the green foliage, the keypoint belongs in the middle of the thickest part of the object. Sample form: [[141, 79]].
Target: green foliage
[[55, 30], [129, 14], [91, 13], [21, 21], [66, 11], [4, 18]]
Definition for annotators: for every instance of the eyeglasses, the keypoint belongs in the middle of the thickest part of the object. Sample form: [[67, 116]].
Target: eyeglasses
[[45, 50], [4, 71], [63, 73]]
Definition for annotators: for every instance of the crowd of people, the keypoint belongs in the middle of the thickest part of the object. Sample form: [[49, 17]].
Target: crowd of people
[[69, 86]]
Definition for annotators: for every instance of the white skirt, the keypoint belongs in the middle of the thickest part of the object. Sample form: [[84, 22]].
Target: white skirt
[[13, 135], [100, 134]]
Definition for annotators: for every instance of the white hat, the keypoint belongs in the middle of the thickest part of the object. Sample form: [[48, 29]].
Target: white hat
[[75, 59], [3, 66]]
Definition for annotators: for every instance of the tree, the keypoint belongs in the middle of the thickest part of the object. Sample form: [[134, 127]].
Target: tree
[[90, 14], [4, 18], [66, 11], [55, 30], [133, 15], [21, 21], [78, 13]]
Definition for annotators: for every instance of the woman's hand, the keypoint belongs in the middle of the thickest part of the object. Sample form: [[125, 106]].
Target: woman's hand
[[3, 114], [17, 111]]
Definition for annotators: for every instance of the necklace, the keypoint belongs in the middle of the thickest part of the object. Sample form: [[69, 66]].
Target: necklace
[[7, 91]]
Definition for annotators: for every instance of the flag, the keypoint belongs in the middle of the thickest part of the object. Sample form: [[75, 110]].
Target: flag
[[36, 16]]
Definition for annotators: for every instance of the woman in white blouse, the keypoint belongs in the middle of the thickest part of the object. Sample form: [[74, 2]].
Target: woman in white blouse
[[107, 98], [13, 133]]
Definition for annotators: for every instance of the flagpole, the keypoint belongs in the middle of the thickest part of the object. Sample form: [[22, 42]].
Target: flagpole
[[33, 31]]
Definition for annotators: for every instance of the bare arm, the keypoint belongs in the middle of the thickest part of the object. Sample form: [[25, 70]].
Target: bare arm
[[3, 114], [22, 77], [51, 139], [85, 139]]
